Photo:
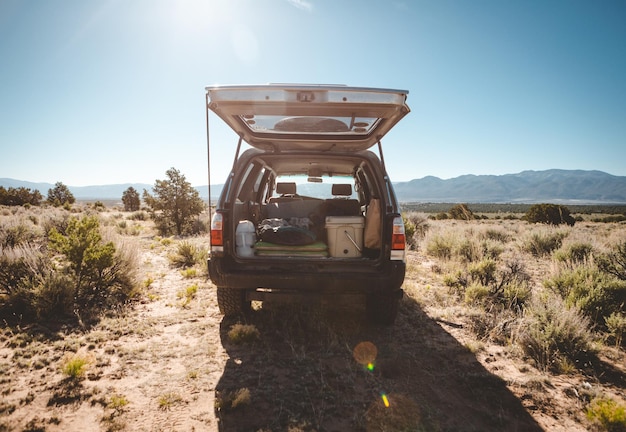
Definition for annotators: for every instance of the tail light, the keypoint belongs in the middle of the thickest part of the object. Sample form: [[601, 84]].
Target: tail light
[[217, 232], [398, 239]]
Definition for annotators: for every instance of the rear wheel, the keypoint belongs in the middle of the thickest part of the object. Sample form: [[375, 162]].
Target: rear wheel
[[383, 309], [232, 302]]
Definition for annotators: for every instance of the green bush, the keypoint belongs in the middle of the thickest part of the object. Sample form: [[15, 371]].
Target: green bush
[[20, 196], [608, 414], [174, 205], [594, 293], [131, 200], [53, 295], [542, 244], [186, 255], [552, 334], [551, 214], [60, 196], [484, 282], [496, 235], [469, 250], [614, 262], [14, 233], [616, 326], [409, 231], [461, 212], [243, 333], [18, 265], [483, 272], [440, 247], [138, 216], [476, 293], [87, 275], [577, 253]]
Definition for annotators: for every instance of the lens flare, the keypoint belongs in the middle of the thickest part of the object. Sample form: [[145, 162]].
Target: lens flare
[[365, 354], [385, 400]]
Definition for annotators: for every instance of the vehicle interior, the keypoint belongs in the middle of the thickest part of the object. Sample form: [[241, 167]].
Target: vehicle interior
[[295, 202]]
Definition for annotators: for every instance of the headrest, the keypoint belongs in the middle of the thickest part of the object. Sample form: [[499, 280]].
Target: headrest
[[342, 190], [287, 188]]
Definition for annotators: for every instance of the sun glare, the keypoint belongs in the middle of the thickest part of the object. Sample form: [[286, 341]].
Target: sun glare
[[197, 17]]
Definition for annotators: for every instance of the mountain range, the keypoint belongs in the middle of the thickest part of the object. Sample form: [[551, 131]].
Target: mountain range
[[562, 186]]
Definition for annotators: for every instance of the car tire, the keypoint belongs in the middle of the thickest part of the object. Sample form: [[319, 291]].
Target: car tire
[[232, 302], [383, 309]]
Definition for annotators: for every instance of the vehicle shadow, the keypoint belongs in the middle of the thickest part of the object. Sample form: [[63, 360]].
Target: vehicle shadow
[[325, 369]]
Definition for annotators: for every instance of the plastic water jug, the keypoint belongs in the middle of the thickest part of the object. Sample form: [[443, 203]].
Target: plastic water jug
[[245, 238]]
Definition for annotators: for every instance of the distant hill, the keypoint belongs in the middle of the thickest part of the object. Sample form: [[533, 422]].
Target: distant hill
[[100, 192], [566, 186], [574, 186]]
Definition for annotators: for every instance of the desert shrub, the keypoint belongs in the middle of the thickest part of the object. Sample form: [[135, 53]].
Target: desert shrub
[[476, 293], [60, 196], [56, 219], [491, 249], [227, 401], [457, 281], [409, 231], [440, 246], [75, 365], [542, 244], [496, 235], [174, 205], [616, 327], [18, 265], [51, 295], [551, 333], [187, 295], [469, 250], [102, 275], [138, 216], [594, 293], [461, 212], [516, 294], [14, 232], [484, 282], [130, 199], [243, 333], [20, 196], [576, 253], [186, 255], [483, 272], [415, 227], [608, 414], [551, 214], [614, 262]]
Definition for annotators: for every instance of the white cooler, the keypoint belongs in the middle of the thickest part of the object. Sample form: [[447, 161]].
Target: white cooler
[[345, 236]]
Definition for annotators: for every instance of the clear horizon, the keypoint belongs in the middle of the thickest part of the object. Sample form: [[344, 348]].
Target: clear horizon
[[123, 183], [112, 92]]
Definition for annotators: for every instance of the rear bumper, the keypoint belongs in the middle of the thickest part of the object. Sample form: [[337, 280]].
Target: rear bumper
[[379, 280]]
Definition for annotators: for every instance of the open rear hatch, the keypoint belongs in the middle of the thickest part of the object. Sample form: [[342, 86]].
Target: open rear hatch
[[276, 117]]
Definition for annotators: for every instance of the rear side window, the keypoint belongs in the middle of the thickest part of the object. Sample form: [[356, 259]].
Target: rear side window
[[251, 183]]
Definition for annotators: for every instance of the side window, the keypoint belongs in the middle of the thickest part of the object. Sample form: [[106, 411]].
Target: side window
[[249, 184], [364, 187]]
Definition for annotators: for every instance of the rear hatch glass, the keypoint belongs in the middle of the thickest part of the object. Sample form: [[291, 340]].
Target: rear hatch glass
[[308, 117]]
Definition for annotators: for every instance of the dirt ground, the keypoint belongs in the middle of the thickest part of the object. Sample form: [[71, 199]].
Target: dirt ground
[[169, 364]]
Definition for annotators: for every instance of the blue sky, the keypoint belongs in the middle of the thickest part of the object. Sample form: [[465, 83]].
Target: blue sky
[[112, 91]]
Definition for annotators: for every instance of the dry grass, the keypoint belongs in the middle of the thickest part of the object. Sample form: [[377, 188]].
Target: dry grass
[[458, 351]]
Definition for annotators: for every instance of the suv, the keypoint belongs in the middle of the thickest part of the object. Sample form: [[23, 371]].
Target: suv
[[308, 211]]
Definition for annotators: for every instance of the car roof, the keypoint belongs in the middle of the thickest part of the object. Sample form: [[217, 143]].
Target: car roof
[[325, 118]]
